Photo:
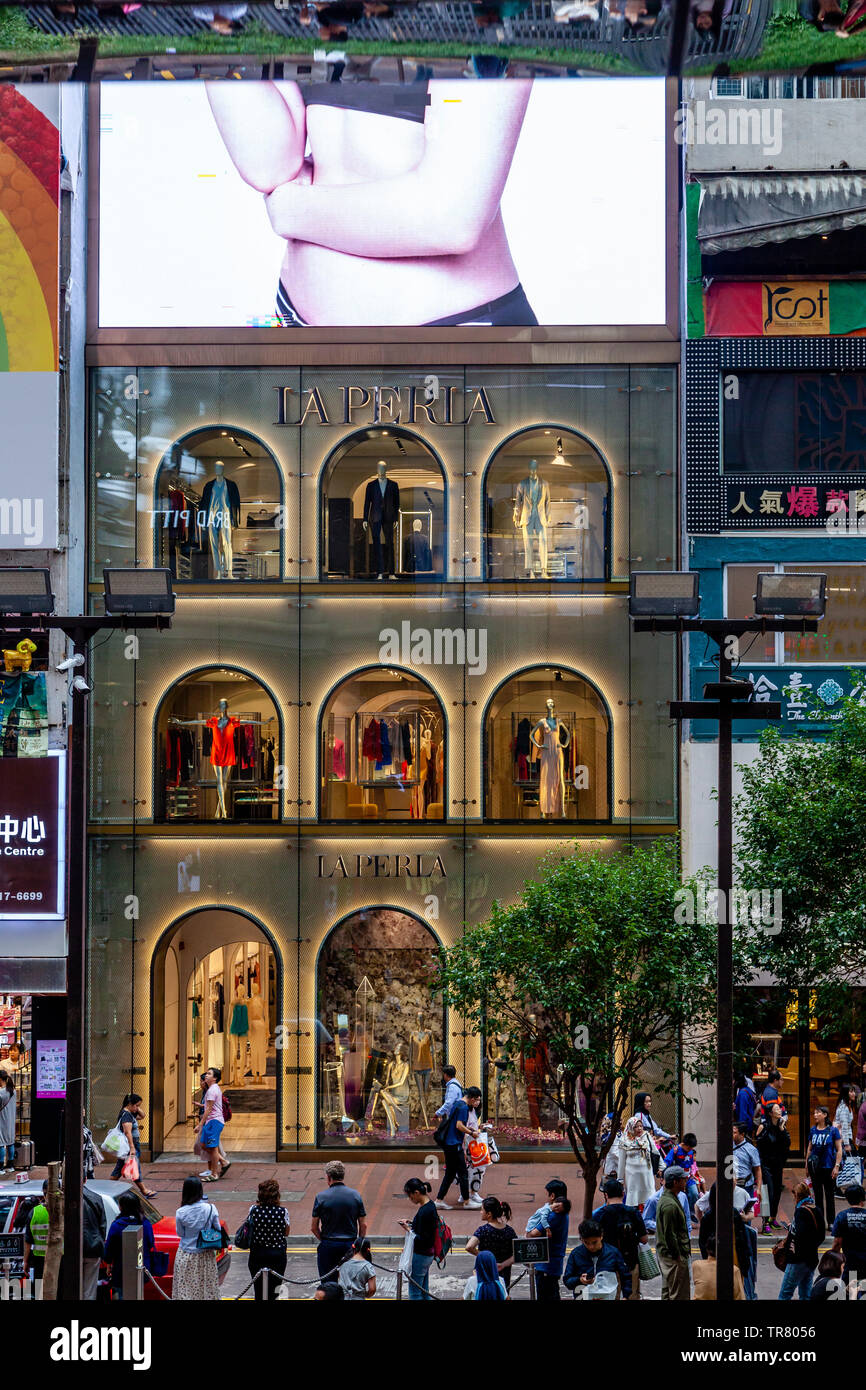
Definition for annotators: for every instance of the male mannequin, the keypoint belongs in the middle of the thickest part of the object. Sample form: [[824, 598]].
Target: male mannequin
[[258, 1036], [422, 1060], [239, 1028], [551, 736], [222, 750], [381, 514], [532, 517], [221, 504]]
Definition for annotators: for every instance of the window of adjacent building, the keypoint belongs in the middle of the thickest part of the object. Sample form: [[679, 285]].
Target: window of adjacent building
[[383, 509], [841, 636], [380, 1069], [383, 750], [217, 750], [547, 749], [794, 422], [218, 512], [546, 499]]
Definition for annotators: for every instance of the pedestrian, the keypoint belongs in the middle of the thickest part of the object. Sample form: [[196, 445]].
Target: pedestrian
[[636, 1163], [747, 1162], [823, 1161], [453, 1091], [642, 1106], [496, 1235], [195, 1276], [860, 1134], [845, 1118], [339, 1218], [849, 1234], [554, 1187], [704, 1275], [594, 1255], [36, 1237], [624, 1228], [683, 1154], [829, 1284], [270, 1224], [424, 1226], [330, 1291], [130, 1215], [745, 1102], [7, 1122], [200, 1107], [485, 1284], [673, 1248], [211, 1125], [130, 1114], [805, 1237], [649, 1211], [93, 1244], [455, 1157], [555, 1226], [357, 1277], [770, 1093], [773, 1143], [707, 1230]]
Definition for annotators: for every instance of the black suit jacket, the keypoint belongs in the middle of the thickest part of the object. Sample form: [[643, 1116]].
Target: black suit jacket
[[379, 508]]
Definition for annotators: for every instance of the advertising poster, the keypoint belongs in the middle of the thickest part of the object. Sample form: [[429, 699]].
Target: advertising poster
[[51, 1070]]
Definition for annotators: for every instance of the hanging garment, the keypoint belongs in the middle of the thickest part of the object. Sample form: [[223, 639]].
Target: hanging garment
[[268, 760], [240, 1024], [220, 1008], [416, 553], [222, 753], [172, 757], [430, 788], [338, 760], [385, 757], [522, 744], [406, 735], [206, 741], [372, 745], [522, 768]]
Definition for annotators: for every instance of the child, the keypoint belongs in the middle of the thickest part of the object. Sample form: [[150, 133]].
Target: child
[[357, 1277], [684, 1155]]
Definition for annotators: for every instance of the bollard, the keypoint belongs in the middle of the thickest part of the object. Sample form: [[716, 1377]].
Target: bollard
[[399, 1285], [266, 1274], [532, 1294], [132, 1264], [4, 1282]]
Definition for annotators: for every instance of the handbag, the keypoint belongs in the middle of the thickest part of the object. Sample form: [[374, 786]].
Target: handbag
[[159, 1263], [441, 1132], [782, 1251], [212, 1238], [647, 1264], [244, 1234]]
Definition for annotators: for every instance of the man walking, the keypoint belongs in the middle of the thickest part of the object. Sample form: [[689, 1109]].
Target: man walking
[[747, 1163], [849, 1235], [339, 1219], [672, 1240], [453, 1091], [211, 1126], [455, 1158]]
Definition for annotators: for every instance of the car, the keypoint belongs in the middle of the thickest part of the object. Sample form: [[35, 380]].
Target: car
[[17, 1201]]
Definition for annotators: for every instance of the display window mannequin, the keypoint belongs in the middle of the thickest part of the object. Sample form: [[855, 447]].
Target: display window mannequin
[[499, 1053], [221, 504], [381, 514], [422, 1061], [239, 1027], [535, 1065], [532, 518], [222, 750], [258, 1035], [394, 1095], [551, 737]]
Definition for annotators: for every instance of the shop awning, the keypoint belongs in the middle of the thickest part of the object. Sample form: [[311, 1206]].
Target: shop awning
[[751, 210]]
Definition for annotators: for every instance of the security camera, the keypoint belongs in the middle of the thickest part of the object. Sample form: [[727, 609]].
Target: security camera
[[80, 684], [71, 663]]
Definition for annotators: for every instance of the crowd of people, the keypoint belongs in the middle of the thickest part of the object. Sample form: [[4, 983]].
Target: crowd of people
[[834, 17]]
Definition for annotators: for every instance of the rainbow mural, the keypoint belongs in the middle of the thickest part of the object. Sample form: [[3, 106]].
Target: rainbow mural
[[29, 235]]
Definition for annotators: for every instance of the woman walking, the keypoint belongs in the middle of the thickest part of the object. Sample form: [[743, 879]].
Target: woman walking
[[823, 1161], [807, 1232], [7, 1122], [635, 1167], [424, 1225], [773, 1143], [270, 1224], [195, 1270], [495, 1235], [845, 1118], [130, 1114]]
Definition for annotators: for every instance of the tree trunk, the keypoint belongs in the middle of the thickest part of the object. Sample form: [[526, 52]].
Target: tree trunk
[[590, 1182], [54, 1250]]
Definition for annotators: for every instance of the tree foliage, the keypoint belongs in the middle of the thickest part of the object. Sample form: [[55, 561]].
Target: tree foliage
[[592, 950]]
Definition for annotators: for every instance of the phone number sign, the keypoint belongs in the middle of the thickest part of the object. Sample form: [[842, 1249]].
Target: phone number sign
[[32, 836]]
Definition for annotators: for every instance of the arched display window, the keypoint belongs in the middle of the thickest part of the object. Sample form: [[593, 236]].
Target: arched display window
[[547, 749], [379, 1073], [218, 739], [384, 508], [547, 508], [382, 749], [218, 508]]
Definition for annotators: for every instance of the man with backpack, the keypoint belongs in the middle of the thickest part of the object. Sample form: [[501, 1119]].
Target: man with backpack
[[594, 1255], [455, 1158], [623, 1228]]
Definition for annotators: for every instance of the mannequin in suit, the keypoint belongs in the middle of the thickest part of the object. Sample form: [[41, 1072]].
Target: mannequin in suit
[[381, 514], [221, 504], [532, 517]]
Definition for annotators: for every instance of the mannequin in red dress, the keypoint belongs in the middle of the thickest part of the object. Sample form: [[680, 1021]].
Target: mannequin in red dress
[[222, 749]]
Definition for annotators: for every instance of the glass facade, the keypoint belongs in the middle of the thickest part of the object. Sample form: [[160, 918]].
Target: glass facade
[[379, 744]]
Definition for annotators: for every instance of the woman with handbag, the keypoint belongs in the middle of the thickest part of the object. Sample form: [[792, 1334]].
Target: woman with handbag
[[197, 1223], [798, 1253], [773, 1143], [635, 1168], [264, 1234], [128, 1164]]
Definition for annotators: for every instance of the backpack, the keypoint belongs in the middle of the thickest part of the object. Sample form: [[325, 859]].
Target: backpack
[[442, 1242], [227, 1110], [627, 1240]]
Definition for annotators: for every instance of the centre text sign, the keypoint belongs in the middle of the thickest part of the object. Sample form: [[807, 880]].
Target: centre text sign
[[32, 837]]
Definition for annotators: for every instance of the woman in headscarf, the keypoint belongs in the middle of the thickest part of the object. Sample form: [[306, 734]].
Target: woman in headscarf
[[485, 1283], [635, 1169]]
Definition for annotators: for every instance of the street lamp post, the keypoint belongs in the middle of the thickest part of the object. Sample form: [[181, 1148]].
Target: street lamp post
[[133, 599], [669, 602]]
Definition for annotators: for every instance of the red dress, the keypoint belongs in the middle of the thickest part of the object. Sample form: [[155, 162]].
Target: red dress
[[222, 751]]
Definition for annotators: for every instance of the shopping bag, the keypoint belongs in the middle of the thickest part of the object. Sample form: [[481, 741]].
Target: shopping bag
[[131, 1170], [116, 1143], [648, 1265], [765, 1202], [404, 1264], [478, 1150], [850, 1174]]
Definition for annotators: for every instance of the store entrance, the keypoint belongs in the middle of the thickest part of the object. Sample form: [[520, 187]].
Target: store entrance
[[215, 987]]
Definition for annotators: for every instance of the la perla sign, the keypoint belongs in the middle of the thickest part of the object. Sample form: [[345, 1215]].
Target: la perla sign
[[384, 405]]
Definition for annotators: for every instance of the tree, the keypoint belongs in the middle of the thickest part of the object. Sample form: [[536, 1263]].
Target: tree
[[593, 964], [801, 829]]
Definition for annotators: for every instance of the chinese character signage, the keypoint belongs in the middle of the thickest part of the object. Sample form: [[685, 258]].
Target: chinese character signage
[[794, 505], [811, 698], [32, 837], [51, 1070]]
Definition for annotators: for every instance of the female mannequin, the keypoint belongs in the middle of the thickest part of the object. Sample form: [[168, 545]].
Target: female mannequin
[[499, 1053], [422, 1061], [239, 1027], [395, 1093], [258, 1036], [222, 749], [550, 737]]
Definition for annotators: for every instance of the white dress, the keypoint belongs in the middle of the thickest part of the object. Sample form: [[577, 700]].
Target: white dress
[[635, 1170]]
